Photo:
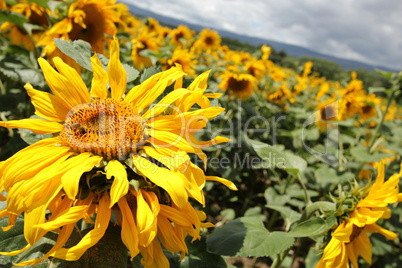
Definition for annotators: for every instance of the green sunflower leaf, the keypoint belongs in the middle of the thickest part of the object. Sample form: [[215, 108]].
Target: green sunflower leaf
[[312, 227], [15, 18], [259, 242], [275, 158], [247, 236], [78, 50]]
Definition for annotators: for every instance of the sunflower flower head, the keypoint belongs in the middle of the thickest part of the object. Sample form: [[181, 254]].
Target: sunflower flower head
[[89, 20], [111, 151], [36, 15], [240, 85], [350, 239]]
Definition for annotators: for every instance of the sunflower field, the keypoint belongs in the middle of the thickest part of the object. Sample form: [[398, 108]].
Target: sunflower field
[[125, 142]]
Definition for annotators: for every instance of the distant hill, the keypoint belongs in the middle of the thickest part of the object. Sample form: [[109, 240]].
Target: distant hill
[[293, 50]]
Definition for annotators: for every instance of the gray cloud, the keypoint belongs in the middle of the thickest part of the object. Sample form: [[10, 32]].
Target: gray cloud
[[365, 30]]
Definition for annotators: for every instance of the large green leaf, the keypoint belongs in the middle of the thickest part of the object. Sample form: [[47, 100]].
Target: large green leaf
[[247, 236], [287, 213], [312, 227], [228, 239], [259, 242], [78, 50], [275, 158]]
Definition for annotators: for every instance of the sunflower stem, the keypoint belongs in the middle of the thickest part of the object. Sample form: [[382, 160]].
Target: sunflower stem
[[372, 141], [306, 195]]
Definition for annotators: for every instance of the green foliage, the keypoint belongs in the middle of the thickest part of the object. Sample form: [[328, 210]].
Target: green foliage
[[284, 160], [247, 236], [78, 50]]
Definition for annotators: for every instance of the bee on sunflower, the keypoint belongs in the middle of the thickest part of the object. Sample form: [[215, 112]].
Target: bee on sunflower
[[111, 152]]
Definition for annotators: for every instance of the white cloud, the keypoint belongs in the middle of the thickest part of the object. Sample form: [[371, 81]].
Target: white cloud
[[366, 30]]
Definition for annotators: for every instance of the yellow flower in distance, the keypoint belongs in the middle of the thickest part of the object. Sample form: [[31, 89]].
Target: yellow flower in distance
[[208, 40], [241, 85], [110, 151], [181, 35], [144, 41], [183, 57], [350, 239], [93, 21], [36, 15]]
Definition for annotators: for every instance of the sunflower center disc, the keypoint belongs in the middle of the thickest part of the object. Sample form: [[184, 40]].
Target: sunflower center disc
[[109, 128]]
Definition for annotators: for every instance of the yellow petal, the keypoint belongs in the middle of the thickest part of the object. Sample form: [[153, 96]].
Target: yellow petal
[[120, 183], [46, 105], [166, 139], [117, 74], [225, 182], [147, 217], [99, 80], [129, 232], [153, 256], [165, 103], [37, 126], [69, 216], [169, 237], [36, 215], [213, 95], [171, 182], [79, 164], [214, 141], [15, 252], [92, 237], [28, 194], [200, 82], [375, 228], [146, 93], [62, 87], [76, 86], [62, 238], [26, 163], [175, 215], [182, 120]]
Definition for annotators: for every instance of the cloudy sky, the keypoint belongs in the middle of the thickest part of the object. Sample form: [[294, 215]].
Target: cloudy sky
[[365, 30]]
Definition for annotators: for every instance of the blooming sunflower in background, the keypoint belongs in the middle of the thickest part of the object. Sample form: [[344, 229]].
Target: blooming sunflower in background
[[180, 36], [208, 40], [183, 57], [281, 95], [93, 21], [110, 151], [241, 85], [142, 42], [35, 14], [350, 239]]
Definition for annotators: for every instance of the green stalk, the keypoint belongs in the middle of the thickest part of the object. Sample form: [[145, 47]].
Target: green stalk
[[372, 141]]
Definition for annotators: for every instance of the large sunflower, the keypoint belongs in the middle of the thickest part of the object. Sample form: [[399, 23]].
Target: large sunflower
[[350, 239], [110, 151], [93, 21]]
